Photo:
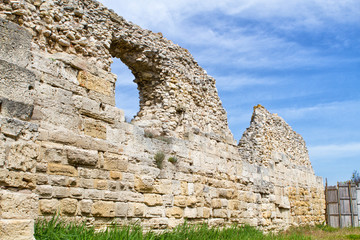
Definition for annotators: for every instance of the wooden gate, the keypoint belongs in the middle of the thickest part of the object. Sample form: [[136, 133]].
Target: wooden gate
[[342, 205]]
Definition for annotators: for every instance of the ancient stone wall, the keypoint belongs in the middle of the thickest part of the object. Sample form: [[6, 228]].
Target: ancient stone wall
[[65, 148]]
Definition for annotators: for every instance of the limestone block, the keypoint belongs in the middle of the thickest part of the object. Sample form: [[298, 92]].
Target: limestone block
[[22, 156], [77, 193], [100, 184], [82, 157], [191, 201], [131, 196], [136, 210], [103, 209], [158, 223], [153, 212], [68, 206], [17, 86], [17, 229], [116, 136], [14, 128], [15, 43], [49, 206], [94, 128], [121, 209], [115, 162], [168, 200], [184, 188], [226, 193], [115, 175], [180, 201], [58, 180], [108, 195], [206, 212], [234, 205], [144, 183], [190, 212], [153, 199], [216, 203], [95, 83], [85, 206], [44, 191], [164, 186], [93, 194], [220, 213], [61, 192], [15, 205], [101, 111], [60, 169], [19, 180], [175, 212], [55, 154]]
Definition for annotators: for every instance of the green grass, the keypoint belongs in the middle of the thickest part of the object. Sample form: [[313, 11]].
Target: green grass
[[56, 229]]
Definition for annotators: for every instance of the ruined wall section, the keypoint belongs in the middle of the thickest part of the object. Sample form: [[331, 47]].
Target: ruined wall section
[[176, 94], [270, 143], [18, 151], [66, 149]]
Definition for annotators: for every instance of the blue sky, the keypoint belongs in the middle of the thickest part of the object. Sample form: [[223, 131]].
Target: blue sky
[[300, 59]]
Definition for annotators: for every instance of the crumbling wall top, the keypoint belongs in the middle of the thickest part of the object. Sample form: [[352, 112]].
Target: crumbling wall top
[[176, 94]]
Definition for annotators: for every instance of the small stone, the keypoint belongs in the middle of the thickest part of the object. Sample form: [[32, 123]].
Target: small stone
[[70, 36], [79, 13], [64, 43], [47, 33]]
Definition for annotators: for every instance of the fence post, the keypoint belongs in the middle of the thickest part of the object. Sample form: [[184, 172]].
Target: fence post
[[327, 217], [351, 206], [339, 205]]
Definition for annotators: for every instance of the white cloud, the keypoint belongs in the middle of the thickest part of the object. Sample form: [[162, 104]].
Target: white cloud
[[236, 44], [311, 13], [335, 151], [234, 82], [323, 110]]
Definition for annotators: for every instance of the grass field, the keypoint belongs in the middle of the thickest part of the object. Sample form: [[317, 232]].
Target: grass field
[[58, 230]]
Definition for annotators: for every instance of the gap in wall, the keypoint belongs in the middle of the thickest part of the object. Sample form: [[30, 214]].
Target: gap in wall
[[126, 93]]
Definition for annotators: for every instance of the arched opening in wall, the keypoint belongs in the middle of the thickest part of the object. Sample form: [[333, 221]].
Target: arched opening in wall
[[126, 93]]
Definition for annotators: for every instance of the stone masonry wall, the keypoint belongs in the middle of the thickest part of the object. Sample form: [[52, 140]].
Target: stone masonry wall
[[65, 148]]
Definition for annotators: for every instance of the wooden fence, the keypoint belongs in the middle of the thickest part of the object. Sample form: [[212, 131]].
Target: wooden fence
[[342, 205]]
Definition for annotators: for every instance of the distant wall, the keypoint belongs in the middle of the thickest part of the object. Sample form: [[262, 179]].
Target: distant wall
[[65, 148]]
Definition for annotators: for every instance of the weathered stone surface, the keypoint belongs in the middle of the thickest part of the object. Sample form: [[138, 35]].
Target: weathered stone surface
[[121, 209], [136, 210], [144, 184], [22, 156], [68, 206], [85, 206], [16, 229], [14, 43], [95, 83], [94, 128], [59, 169], [18, 205], [82, 157], [49, 206], [16, 109], [115, 162], [175, 212], [103, 209], [17, 90], [153, 200]]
